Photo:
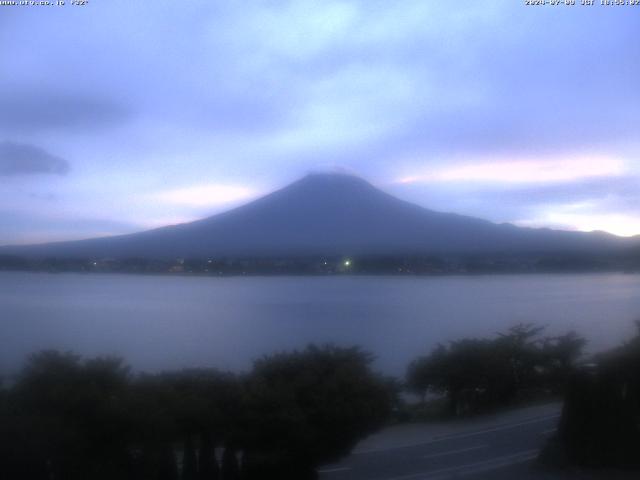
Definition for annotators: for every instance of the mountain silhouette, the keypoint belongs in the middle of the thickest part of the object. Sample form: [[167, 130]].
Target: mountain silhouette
[[331, 214]]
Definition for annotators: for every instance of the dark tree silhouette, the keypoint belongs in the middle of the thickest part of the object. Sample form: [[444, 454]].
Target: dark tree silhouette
[[599, 424], [230, 468], [560, 355], [208, 464], [190, 460], [309, 407], [71, 419], [477, 374]]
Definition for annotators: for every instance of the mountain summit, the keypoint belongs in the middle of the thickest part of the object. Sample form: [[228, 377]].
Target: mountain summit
[[330, 214]]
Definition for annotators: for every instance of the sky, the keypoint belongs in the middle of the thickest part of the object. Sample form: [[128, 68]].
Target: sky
[[120, 116]]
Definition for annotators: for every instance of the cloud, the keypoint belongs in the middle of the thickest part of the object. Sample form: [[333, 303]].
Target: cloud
[[610, 203], [25, 227], [581, 217], [621, 190], [23, 159], [527, 170], [208, 195], [25, 109], [489, 117], [46, 197]]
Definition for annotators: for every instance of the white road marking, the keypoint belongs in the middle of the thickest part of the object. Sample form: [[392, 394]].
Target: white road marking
[[452, 452], [455, 436], [472, 468], [332, 470], [550, 431]]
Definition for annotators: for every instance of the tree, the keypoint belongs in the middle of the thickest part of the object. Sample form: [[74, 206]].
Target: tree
[[310, 407], [426, 374], [191, 407], [599, 422], [560, 355], [477, 374], [72, 416], [69, 418]]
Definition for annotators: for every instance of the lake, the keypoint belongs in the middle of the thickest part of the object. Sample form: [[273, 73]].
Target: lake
[[168, 322]]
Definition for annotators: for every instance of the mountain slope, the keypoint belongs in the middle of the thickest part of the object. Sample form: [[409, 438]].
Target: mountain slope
[[327, 214]]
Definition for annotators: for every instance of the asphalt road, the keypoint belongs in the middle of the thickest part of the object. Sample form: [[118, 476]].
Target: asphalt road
[[501, 448]]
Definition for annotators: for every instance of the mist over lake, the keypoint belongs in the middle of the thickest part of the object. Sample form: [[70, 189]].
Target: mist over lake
[[169, 322]]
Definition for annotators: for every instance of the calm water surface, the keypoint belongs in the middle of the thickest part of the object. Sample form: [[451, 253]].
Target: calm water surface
[[160, 322]]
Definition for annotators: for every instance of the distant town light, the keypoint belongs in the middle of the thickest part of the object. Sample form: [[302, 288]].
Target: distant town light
[[347, 263]]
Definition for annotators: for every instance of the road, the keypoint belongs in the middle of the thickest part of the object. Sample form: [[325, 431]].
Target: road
[[498, 447]]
